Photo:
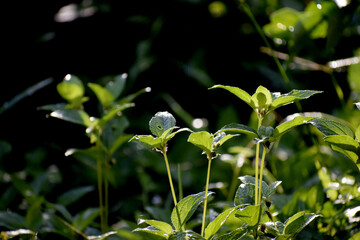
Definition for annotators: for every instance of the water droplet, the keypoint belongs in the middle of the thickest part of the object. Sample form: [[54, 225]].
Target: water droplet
[[69, 152], [148, 89], [199, 123], [124, 75], [67, 77], [92, 119], [319, 6]]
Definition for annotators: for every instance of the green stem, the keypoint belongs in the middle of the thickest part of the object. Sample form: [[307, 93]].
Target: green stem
[[261, 172], [257, 165], [262, 35], [206, 193], [181, 195], [171, 185], [100, 190]]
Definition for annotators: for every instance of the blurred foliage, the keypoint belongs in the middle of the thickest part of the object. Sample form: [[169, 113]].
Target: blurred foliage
[[179, 48]]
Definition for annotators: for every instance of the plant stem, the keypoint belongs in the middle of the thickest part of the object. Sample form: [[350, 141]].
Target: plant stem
[[171, 185], [257, 165], [181, 195], [100, 190], [261, 172], [206, 193]]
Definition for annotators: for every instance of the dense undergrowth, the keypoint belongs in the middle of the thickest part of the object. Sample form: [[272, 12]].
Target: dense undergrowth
[[290, 171]]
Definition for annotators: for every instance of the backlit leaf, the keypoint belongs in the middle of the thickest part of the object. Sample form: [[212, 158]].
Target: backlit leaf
[[202, 140], [161, 122], [163, 226], [71, 88], [330, 127], [154, 232], [290, 97], [74, 116], [346, 145], [237, 92], [238, 128], [148, 139], [218, 222], [104, 96]]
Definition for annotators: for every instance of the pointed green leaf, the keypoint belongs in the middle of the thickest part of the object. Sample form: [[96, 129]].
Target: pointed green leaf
[[148, 139], [132, 97], [221, 138], [167, 136], [330, 127], [284, 127], [202, 140], [71, 88], [163, 226], [298, 222], [116, 86], [245, 194], [238, 233], [186, 208], [74, 195], [290, 97], [218, 222], [250, 215], [238, 128], [161, 122], [74, 116], [154, 232], [346, 145], [237, 92], [114, 112], [103, 95], [272, 188]]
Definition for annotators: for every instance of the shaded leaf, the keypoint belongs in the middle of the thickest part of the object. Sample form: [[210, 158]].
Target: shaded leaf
[[290, 97], [298, 222], [188, 235], [245, 194], [74, 116], [132, 97], [330, 127], [235, 234], [117, 86], [74, 195], [186, 208]]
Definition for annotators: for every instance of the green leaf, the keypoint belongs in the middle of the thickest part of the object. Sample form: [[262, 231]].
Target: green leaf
[[156, 233], [148, 139], [261, 99], [186, 208], [237, 92], [187, 235], [218, 222], [17, 233], [238, 234], [202, 140], [71, 88], [357, 133], [116, 86], [250, 215], [161, 122], [238, 128], [221, 138], [104, 96], [74, 195], [330, 127], [132, 97], [290, 97], [163, 226], [298, 222], [74, 116], [102, 236], [245, 194], [168, 134], [284, 127], [346, 145]]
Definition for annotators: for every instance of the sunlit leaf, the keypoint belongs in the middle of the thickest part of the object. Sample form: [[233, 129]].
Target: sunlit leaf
[[286, 126], [148, 139], [238, 128], [156, 233], [202, 140], [186, 208], [214, 226], [245, 194], [346, 145], [104, 96], [237, 92], [17, 233], [187, 235], [163, 226], [71, 88], [261, 99], [250, 214]]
